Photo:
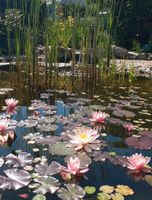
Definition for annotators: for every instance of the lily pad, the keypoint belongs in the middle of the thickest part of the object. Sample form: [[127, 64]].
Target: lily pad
[[124, 190], [139, 142], [106, 189], [103, 196], [90, 189], [15, 179], [47, 128], [46, 184], [21, 160], [117, 196], [148, 179], [48, 170], [39, 197], [124, 113], [97, 107], [59, 148], [71, 192]]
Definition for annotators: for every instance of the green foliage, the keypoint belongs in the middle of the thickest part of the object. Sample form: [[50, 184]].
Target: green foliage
[[134, 23], [90, 189], [39, 197]]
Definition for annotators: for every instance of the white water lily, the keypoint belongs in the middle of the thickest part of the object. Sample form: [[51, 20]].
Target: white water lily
[[83, 136]]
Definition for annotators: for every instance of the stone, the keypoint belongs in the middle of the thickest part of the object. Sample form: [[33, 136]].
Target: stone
[[119, 52], [150, 57], [132, 55], [142, 56], [2, 59]]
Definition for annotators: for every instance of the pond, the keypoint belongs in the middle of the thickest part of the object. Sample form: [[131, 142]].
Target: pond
[[82, 140]]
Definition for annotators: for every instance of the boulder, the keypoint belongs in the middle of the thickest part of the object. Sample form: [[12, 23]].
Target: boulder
[[132, 55], [2, 59], [149, 56], [119, 52], [142, 56]]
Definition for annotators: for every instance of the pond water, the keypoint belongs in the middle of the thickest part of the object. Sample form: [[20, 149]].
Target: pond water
[[60, 112]]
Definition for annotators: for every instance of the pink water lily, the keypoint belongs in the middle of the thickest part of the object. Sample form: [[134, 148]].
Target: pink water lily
[[98, 117], [3, 126], [73, 167], [129, 127], [137, 162], [11, 105], [5, 132], [83, 137]]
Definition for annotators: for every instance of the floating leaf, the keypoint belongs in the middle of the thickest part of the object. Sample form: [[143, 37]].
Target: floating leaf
[[47, 128], [49, 120], [71, 192], [32, 136], [124, 113], [103, 196], [114, 121], [48, 170], [148, 179], [46, 184], [124, 190], [19, 161], [48, 140], [30, 123], [60, 148], [117, 196], [90, 189], [15, 179], [106, 189], [97, 107], [139, 142], [39, 197]]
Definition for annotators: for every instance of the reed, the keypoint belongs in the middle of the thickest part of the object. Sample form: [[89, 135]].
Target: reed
[[88, 28]]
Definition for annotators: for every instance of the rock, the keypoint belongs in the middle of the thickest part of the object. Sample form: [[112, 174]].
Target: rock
[[2, 59], [41, 58], [132, 55], [150, 57], [142, 56], [41, 49], [119, 52]]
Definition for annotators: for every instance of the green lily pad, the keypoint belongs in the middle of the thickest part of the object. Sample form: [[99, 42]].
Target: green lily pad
[[39, 197], [103, 196], [90, 189], [117, 196]]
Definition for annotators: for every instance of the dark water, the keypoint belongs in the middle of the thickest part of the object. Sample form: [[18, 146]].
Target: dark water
[[100, 173]]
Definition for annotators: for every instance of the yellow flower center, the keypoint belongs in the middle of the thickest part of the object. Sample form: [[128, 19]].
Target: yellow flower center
[[83, 135]]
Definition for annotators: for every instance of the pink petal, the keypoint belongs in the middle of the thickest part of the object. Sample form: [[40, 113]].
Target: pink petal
[[24, 196]]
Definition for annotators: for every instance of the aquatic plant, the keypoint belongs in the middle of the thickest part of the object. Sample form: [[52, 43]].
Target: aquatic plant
[[66, 147], [137, 162], [3, 126], [98, 117], [73, 167], [129, 127], [11, 105], [84, 138], [141, 141]]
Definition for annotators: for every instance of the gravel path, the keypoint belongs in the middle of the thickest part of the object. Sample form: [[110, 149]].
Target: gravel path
[[141, 68]]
